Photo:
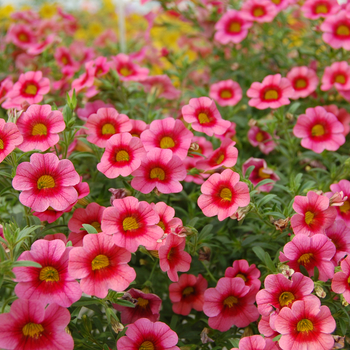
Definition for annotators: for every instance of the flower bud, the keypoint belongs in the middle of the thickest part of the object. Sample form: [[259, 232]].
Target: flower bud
[[118, 193]]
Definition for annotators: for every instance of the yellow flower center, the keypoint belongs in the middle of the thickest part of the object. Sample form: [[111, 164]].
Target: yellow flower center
[[259, 136], [300, 83], [305, 325], [108, 129], [167, 142], [31, 89], [258, 11], [122, 156], [343, 30], [97, 226], [45, 181], [286, 298], [340, 79], [39, 129], [345, 207], [241, 276], [262, 174], [2, 146], [349, 280], [125, 71], [230, 301], [305, 259], [23, 37], [142, 302], [271, 94], [157, 173], [100, 262], [309, 217], [277, 2], [220, 159], [226, 94], [321, 9], [203, 118], [317, 130], [235, 27], [130, 223], [161, 225], [146, 345], [226, 194], [187, 291], [32, 330], [171, 254], [64, 60], [49, 274]]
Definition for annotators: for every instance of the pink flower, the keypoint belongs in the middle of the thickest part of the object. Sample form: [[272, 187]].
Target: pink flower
[[204, 116], [138, 127], [30, 87], [315, 9], [173, 258], [340, 284], [101, 265], [91, 108], [54, 236], [281, 292], [21, 35], [230, 303], [65, 60], [339, 234], [249, 274], [259, 10], [316, 251], [100, 65], [226, 92], [144, 334], [51, 283], [337, 75], [123, 155], [161, 169], [10, 137], [132, 223], [258, 137], [314, 214], [232, 28], [40, 126], [31, 326], [5, 86], [161, 86], [342, 115], [256, 342], [306, 325], [85, 83], [91, 215], [147, 306], [170, 134], [260, 172], [226, 155], [273, 92], [188, 294], [127, 70], [304, 81], [223, 194], [336, 30], [46, 181], [104, 124], [343, 210], [319, 130]]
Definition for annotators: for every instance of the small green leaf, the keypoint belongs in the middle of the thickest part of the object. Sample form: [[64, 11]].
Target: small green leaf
[[26, 263], [89, 229], [260, 253], [303, 270], [124, 303]]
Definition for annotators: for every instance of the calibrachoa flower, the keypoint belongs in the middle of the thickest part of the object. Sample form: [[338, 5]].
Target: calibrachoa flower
[[226, 92], [336, 30], [204, 116], [147, 306], [340, 281], [263, 139], [319, 130], [31, 326], [315, 9], [104, 124], [168, 133], [339, 233], [256, 342], [188, 294], [306, 325], [40, 126], [127, 70], [316, 251], [273, 92], [314, 214], [101, 265], [249, 274], [160, 169], [51, 283], [231, 28], [337, 75], [259, 10], [45, 182], [343, 210], [146, 335], [230, 303], [173, 258], [161, 86], [280, 292], [123, 155], [10, 137], [138, 127], [259, 173], [304, 81], [222, 194], [30, 87], [132, 223]]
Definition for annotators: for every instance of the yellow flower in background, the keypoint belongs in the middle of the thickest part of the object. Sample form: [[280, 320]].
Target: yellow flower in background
[[135, 24], [108, 6], [95, 29], [6, 11], [48, 10]]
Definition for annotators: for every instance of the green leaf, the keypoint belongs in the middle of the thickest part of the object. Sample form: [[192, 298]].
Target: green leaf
[[259, 252], [293, 107], [89, 229], [269, 262], [124, 303], [277, 338], [26, 263], [303, 270], [264, 182], [248, 171], [265, 199], [316, 274]]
